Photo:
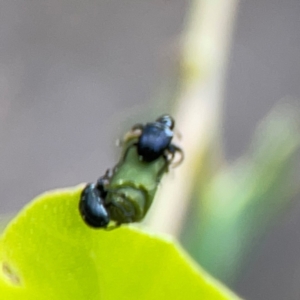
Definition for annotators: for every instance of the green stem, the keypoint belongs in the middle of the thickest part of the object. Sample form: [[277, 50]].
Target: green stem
[[198, 107]]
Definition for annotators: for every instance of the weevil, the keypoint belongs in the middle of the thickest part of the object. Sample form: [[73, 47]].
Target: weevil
[[154, 139], [125, 193]]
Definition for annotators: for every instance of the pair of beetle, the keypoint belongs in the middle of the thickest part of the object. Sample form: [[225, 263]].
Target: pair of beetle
[[125, 193]]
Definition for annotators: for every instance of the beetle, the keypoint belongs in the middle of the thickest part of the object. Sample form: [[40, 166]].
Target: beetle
[[154, 139], [92, 206], [125, 193]]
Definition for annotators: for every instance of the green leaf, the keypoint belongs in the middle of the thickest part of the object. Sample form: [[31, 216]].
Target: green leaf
[[48, 252], [240, 203], [4, 220]]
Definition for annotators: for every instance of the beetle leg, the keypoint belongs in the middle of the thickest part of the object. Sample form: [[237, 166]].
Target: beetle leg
[[130, 135], [134, 133], [172, 150], [137, 126], [102, 183], [165, 168]]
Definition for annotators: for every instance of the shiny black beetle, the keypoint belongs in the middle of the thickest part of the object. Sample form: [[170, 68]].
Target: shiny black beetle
[[154, 139], [124, 194], [92, 206]]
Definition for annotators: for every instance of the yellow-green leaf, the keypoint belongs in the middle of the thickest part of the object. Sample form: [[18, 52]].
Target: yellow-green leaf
[[48, 252]]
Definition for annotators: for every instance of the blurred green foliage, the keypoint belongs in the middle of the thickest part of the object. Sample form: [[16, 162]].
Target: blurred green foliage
[[234, 207]]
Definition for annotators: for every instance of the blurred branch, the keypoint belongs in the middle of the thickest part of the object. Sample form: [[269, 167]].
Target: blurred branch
[[205, 54]]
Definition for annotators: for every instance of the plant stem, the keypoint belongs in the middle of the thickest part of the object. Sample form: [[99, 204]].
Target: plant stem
[[198, 107]]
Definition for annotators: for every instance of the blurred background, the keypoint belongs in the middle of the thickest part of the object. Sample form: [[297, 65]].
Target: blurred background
[[75, 74]]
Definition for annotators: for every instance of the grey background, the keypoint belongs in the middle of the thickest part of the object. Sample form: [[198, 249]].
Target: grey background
[[71, 71]]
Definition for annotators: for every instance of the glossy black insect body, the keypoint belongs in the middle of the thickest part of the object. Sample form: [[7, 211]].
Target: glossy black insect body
[[92, 207], [154, 139], [124, 194]]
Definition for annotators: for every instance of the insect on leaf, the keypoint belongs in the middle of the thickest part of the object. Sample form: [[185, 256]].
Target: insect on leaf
[[48, 252]]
